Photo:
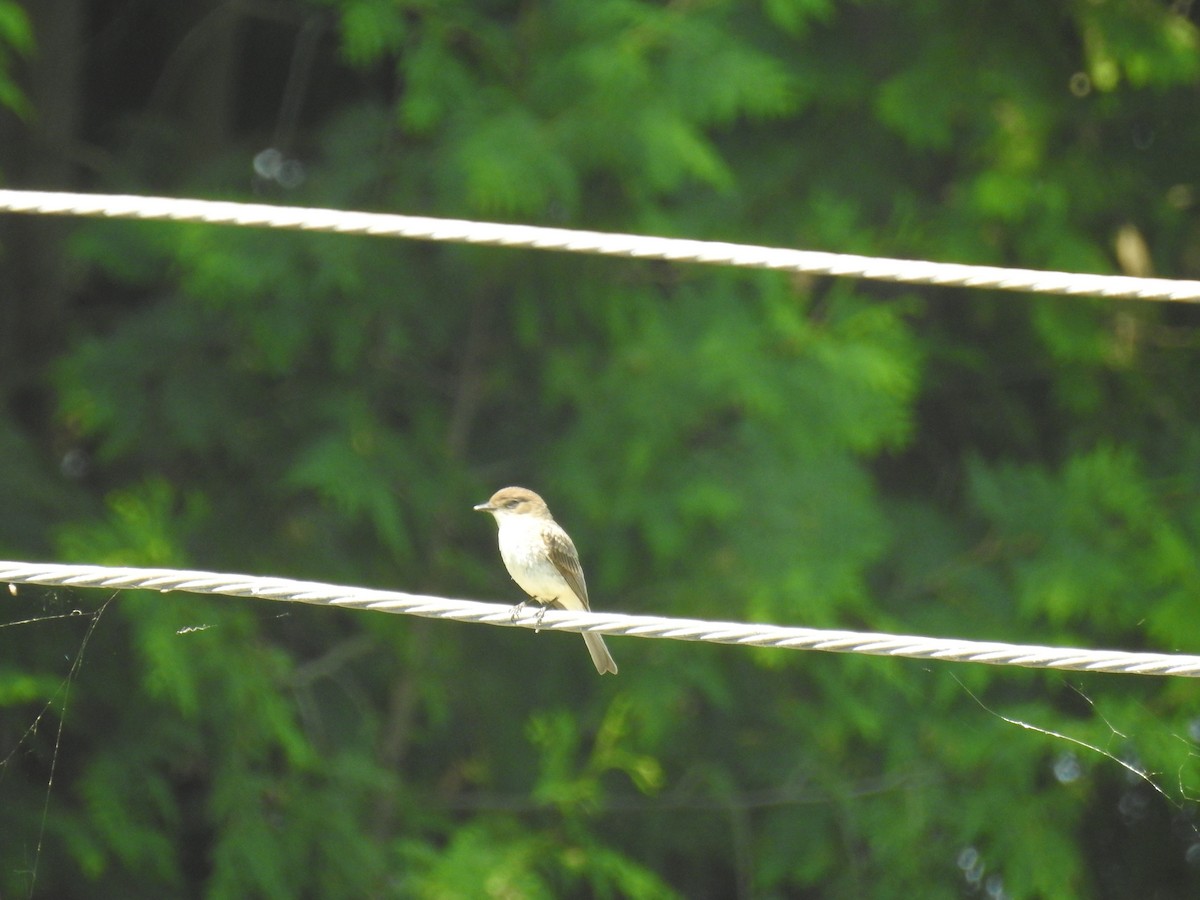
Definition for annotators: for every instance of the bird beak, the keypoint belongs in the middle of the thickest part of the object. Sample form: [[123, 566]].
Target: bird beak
[[482, 507]]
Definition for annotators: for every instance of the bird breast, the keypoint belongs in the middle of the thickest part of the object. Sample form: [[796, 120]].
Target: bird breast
[[525, 554]]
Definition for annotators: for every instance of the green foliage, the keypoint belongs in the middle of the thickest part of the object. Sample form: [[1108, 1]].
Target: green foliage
[[16, 37], [1092, 545], [733, 445]]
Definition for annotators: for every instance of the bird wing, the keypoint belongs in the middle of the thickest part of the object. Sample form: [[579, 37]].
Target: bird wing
[[566, 559]]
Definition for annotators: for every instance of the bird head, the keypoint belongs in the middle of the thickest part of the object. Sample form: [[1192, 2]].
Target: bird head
[[515, 501]]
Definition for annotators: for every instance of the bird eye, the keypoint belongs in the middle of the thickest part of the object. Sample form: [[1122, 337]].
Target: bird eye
[[511, 504]]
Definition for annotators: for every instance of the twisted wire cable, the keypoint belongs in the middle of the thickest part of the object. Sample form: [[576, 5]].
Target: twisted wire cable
[[258, 215], [787, 638]]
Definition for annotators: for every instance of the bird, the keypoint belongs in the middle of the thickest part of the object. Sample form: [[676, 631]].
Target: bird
[[542, 559]]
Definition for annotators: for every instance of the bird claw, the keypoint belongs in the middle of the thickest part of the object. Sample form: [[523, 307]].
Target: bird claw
[[516, 611]]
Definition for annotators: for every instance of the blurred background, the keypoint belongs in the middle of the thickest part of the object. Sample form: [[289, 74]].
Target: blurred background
[[720, 444]]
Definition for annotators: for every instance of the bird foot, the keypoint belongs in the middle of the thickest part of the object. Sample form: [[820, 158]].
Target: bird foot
[[515, 613]]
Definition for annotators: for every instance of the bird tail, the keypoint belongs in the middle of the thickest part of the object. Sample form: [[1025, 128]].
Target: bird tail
[[600, 655]]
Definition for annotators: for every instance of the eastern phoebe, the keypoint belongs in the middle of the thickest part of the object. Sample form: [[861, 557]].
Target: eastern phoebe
[[542, 560]]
